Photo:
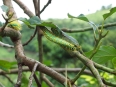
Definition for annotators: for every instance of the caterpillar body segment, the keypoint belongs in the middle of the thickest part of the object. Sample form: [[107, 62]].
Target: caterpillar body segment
[[63, 43]]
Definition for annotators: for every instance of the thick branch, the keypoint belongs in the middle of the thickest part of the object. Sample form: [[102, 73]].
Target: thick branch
[[25, 9], [90, 65]]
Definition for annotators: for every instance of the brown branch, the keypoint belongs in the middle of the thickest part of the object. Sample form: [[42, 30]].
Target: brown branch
[[25, 9], [37, 81], [90, 65], [47, 81], [15, 37], [88, 29], [32, 74], [18, 84], [45, 6], [40, 34], [60, 70]]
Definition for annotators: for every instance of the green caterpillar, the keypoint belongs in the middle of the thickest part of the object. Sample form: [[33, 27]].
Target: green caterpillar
[[63, 43]]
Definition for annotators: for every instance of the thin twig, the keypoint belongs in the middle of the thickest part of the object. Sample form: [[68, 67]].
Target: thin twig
[[60, 70], [18, 84], [45, 6], [47, 81], [37, 80], [6, 21], [106, 69], [6, 45], [109, 83], [31, 38], [1, 85], [31, 76], [8, 78], [87, 29]]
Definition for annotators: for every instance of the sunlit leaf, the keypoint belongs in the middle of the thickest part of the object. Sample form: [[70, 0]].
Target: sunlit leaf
[[48, 62], [4, 8], [113, 10], [89, 79], [5, 65], [104, 54], [44, 84]]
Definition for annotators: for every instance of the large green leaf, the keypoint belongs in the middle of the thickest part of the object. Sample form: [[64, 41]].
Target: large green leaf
[[48, 24], [104, 54], [5, 65], [81, 17], [25, 21], [113, 10], [4, 8], [34, 20]]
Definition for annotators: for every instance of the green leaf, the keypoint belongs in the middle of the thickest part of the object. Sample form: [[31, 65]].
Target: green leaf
[[114, 61], [5, 65], [48, 62], [24, 80], [104, 54], [34, 20], [81, 17], [113, 10], [48, 24], [4, 8], [25, 21], [44, 84], [0, 38]]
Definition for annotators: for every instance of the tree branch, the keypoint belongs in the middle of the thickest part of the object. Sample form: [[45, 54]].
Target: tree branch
[[25, 9], [29, 61], [88, 29], [37, 81], [90, 65], [45, 6], [60, 70], [109, 83], [6, 45], [32, 74], [18, 84], [47, 81], [8, 79], [31, 38]]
